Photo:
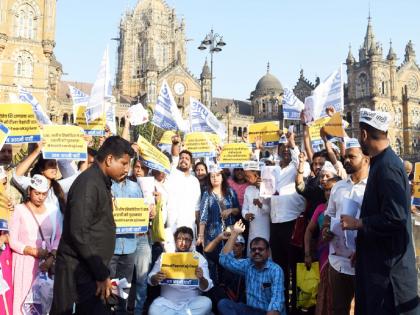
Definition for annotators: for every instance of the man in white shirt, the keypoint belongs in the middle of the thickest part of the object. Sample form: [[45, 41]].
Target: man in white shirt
[[182, 299], [286, 206], [346, 198], [183, 196]]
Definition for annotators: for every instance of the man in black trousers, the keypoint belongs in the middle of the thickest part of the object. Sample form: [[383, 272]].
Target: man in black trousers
[[88, 239]]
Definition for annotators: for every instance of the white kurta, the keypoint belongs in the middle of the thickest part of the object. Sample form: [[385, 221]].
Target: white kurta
[[260, 226]]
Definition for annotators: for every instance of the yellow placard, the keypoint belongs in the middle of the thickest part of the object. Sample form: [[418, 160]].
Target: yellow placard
[[131, 215], [63, 142], [180, 268], [21, 122], [315, 128], [94, 128], [167, 137], [268, 131], [416, 178], [234, 154], [334, 127], [152, 157], [201, 144], [416, 195]]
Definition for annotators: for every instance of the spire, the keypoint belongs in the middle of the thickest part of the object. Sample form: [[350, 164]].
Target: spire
[[268, 67], [391, 54], [205, 73], [350, 58], [410, 54], [369, 42]]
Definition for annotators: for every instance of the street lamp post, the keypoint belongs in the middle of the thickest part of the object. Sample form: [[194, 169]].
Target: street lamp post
[[214, 42]]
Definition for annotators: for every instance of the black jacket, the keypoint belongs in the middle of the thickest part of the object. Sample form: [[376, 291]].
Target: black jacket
[[385, 261], [88, 240]]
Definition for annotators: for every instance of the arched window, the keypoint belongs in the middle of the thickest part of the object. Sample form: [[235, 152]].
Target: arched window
[[398, 147], [245, 130], [235, 131], [72, 118], [122, 122], [65, 118], [240, 132], [26, 22], [349, 119], [117, 121], [24, 64]]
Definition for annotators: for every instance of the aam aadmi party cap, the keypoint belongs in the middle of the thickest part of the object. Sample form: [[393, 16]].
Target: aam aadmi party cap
[[351, 143], [3, 225], [240, 239], [215, 168], [378, 120], [328, 167], [39, 183], [252, 166]]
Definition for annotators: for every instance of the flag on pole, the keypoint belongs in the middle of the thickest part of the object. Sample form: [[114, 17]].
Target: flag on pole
[[110, 117], [166, 114], [79, 99], [292, 106], [203, 120], [101, 91], [328, 93], [26, 97]]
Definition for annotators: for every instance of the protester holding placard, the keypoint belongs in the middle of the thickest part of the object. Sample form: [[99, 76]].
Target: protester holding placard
[[218, 208], [182, 299], [34, 237]]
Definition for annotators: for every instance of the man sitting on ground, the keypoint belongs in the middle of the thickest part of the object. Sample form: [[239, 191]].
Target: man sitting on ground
[[182, 299]]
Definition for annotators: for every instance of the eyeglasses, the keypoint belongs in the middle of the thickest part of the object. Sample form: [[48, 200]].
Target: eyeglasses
[[183, 239], [257, 249]]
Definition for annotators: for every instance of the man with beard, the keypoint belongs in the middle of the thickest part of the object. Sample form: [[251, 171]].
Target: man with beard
[[386, 277], [263, 278], [88, 239], [346, 192], [182, 299], [183, 196]]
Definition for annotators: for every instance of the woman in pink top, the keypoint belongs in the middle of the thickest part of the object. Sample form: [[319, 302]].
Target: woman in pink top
[[28, 221], [239, 184]]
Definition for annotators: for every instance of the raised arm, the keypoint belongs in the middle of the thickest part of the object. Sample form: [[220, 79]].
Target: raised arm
[[24, 166]]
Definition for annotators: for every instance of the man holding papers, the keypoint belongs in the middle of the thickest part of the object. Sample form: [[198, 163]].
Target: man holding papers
[[183, 298]]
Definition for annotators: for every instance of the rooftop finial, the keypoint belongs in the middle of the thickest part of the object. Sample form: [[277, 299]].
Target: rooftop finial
[[268, 67]]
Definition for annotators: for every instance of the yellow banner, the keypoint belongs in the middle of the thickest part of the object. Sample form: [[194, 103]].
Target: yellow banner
[[315, 127], [63, 142], [201, 144], [152, 157], [131, 215], [334, 127], [234, 154], [416, 200], [268, 131], [180, 268], [416, 178], [167, 137], [21, 122], [4, 132], [94, 128]]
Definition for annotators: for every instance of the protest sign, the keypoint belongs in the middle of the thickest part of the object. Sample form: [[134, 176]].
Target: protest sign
[[21, 122], [315, 128], [334, 127], [147, 185], [292, 106], [201, 144], [94, 128], [64, 143], [180, 268], [416, 178], [167, 137], [268, 131], [416, 195], [152, 157], [4, 132], [138, 115], [131, 215], [268, 181], [234, 154]]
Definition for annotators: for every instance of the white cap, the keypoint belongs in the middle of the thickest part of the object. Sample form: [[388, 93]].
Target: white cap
[[351, 143], [378, 120], [214, 168], [240, 239], [3, 173], [39, 183], [328, 167], [252, 166]]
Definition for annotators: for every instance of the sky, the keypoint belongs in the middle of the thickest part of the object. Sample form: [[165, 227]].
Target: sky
[[290, 34]]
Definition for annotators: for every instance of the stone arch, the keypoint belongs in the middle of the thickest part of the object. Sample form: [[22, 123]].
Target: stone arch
[[122, 122], [27, 17], [235, 131], [65, 119], [240, 132], [24, 63]]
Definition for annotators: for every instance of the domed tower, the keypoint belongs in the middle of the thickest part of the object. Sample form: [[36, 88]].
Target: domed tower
[[267, 97]]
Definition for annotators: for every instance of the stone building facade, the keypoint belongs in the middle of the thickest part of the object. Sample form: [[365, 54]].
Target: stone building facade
[[381, 83], [27, 40]]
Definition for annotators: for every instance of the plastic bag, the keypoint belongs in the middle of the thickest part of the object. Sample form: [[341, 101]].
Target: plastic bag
[[40, 296], [307, 282], [158, 227]]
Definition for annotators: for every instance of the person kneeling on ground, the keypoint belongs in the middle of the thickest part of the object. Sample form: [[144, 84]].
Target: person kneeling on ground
[[182, 299], [263, 278]]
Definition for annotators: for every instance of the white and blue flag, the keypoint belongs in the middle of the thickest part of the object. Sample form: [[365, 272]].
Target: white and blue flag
[[101, 91], [328, 94], [292, 106], [166, 114], [203, 120], [26, 97], [79, 98]]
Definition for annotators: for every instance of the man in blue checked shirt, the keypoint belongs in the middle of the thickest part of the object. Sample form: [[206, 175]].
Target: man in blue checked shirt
[[263, 278]]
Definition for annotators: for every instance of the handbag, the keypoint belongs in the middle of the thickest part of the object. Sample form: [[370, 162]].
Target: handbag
[[307, 282]]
